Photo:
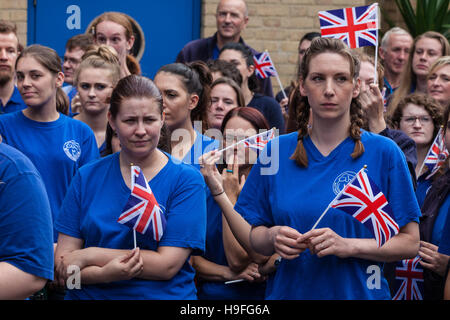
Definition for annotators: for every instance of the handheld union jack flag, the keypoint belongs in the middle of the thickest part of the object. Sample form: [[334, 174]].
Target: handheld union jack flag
[[362, 199], [259, 141], [408, 280], [264, 66], [357, 27], [437, 154], [142, 212]]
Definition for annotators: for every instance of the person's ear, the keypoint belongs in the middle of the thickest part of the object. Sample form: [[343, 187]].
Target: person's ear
[[356, 88], [301, 87], [111, 121], [193, 101]]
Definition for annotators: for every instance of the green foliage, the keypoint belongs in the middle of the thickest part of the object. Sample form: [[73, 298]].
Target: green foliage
[[430, 15]]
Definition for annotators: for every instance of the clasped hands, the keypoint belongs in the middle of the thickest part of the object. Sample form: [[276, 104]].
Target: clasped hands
[[289, 243]]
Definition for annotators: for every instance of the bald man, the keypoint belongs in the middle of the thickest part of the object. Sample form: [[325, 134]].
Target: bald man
[[231, 19]]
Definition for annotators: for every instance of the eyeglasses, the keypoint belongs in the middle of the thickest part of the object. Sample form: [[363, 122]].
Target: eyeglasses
[[412, 119]]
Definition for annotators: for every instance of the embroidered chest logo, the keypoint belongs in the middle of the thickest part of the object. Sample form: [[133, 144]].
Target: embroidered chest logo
[[342, 180], [72, 149]]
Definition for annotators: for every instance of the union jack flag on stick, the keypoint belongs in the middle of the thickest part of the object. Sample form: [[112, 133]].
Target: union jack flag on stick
[[357, 26], [364, 201], [408, 280], [264, 68], [142, 212], [256, 142], [436, 156]]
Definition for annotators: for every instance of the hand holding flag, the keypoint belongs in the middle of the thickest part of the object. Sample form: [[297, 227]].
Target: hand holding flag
[[142, 212], [364, 201]]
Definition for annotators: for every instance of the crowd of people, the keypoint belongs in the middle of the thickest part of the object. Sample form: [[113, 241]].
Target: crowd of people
[[240, 223]]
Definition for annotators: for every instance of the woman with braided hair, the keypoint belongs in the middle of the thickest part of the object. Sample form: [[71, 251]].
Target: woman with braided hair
[[339, 259]]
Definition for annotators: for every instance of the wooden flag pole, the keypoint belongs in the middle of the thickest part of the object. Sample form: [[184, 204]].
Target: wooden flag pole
[[134, 230], [276, 76], [376, 49]]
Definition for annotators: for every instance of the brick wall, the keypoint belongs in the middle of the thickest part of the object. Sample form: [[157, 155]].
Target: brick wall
[[16, 10]]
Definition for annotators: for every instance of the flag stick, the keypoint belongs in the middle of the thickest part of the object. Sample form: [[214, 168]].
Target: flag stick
[[376, 48], [276, 76], [337, 196], [234, 281], [281, 86], [134, 230], [375, 78]]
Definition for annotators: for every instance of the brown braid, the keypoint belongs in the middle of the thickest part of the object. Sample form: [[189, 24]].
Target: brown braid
[[299, 155], [356, 120]]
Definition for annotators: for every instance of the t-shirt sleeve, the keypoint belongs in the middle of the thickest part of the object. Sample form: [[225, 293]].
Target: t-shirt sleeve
[[90, 150], [186, 213], [253, 202], [68, 221], [26, 230]]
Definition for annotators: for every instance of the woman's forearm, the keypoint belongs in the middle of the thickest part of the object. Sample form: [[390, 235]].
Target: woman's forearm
[[239, 227], [211, 271], [405, 245]]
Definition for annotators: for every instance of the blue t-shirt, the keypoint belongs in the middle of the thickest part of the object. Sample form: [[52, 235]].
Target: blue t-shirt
[[93, 204], [279, 192], [422, 188], [202, 144], [26, 231], [439, 223], [14, 104], [57, 149], [444, 244]]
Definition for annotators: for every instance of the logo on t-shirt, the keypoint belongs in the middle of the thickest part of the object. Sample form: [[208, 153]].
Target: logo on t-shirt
[[72, 149], [342, 180]]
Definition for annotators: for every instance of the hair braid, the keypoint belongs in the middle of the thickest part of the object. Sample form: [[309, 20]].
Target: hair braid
[[356, 120], [299, 155]]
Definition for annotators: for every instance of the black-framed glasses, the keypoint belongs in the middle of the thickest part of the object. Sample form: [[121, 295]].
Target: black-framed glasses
[[412, 119]]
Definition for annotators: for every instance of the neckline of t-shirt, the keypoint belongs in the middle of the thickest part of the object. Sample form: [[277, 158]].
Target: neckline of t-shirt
[[157, 176], [318, 156], [41, 124]]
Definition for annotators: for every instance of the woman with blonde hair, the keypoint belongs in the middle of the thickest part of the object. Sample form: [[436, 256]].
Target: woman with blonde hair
[[95, 80], [438, 81]]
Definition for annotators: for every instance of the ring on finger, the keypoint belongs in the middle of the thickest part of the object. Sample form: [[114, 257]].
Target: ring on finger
[[229, 171]]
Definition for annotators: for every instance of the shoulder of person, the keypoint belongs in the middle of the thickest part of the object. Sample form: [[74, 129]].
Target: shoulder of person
[[185, 172], [13, 162]]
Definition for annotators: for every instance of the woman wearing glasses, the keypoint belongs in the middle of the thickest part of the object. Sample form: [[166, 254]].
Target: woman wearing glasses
[[420, 117]]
